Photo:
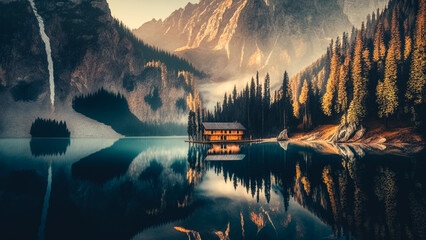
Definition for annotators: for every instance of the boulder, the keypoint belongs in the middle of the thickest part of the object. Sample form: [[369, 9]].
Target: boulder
[[346, 132], [283, 136], [359, 134]]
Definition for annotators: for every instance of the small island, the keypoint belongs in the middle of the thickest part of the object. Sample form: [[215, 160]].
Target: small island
[[48, 128]]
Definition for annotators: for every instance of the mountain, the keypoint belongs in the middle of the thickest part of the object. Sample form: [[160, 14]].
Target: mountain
[[369, 87], [54, 51], [228, 37], [357, 10], [374, 81]]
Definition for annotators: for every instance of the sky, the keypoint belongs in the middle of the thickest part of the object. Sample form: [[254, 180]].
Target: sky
[[136, 12]]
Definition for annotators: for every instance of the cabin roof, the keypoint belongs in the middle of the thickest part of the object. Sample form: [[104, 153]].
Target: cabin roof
[[223, 126]]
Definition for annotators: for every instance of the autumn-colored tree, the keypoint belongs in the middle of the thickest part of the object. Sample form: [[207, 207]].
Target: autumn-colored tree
[[366, 62], [407, 41], [396, 37], [379, 51], [416, 85], [296, 109], [304, 100], [387, 90], [332, 82], [342, 94], [357, 109]]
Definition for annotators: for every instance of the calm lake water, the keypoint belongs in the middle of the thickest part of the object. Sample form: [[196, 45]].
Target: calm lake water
[[164, 188]]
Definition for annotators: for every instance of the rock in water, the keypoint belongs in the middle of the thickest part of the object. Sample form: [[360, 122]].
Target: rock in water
[[284, 145], [283, 136]]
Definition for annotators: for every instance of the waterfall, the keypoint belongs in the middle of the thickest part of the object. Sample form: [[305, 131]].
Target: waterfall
[[46, 41], [45, 204]]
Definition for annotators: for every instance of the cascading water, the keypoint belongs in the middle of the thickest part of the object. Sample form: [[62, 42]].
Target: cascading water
[[45, 204], [46, 41]]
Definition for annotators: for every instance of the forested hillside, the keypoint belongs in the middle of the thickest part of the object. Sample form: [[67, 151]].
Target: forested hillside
[[373, 76], [113, 110], [89, 50]]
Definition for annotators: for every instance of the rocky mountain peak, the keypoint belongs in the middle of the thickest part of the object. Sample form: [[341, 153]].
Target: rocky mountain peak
[[248, 35], [227, 37]]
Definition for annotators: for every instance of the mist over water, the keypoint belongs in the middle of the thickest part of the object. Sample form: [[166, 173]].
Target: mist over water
[[46, 41]]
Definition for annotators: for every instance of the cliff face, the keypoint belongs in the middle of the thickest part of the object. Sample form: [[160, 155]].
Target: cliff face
[[90, 50], [230, 37], [248, 35], [358, 9]]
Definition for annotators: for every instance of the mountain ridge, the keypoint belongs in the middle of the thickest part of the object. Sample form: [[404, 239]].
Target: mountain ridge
[[222, 37]]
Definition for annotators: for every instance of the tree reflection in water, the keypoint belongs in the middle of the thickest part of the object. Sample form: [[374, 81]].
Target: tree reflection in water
[[367, 195], [164, 189]]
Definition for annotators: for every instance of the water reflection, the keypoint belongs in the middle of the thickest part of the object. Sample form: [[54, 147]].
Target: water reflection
[[108, 163], [163, 188], [43, 147], [224, 152], [47, 147]]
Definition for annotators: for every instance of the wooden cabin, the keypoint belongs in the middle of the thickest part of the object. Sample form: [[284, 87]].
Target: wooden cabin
[[223, 131]]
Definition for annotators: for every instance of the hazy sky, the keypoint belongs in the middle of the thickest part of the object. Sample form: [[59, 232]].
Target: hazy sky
[[136, 12]]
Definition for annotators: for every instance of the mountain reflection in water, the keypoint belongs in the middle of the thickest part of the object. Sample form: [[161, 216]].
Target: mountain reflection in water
[[162, 188]]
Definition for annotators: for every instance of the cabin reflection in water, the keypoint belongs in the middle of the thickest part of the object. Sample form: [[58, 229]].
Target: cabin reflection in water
[[224, 152], [223, 131]]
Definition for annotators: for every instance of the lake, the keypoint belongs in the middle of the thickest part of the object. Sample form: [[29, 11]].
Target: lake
[[164, 188]]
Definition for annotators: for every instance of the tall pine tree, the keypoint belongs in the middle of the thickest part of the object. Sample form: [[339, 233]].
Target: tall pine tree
[[332, 83], [304, 101], [387, 90], [342, 94], [416, 84], [357, 109]]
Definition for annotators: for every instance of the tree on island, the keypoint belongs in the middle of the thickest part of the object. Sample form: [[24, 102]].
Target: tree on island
[[49, 128]]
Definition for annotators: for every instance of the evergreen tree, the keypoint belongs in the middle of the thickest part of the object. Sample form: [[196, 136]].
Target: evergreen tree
[[191, 125], [408, 43], [387, 90], [286, 101], [296, 109], [234, 94], [379, 51], [396, 37], [225, 107], [266, 101], [303, 100], [252, 104], [342, 100], [357, 109], [332, 82], [416, 85], [258, 106]]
